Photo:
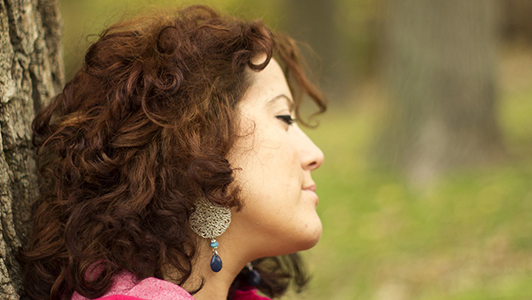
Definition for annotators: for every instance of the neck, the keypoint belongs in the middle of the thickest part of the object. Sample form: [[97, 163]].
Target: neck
[[216, 284]]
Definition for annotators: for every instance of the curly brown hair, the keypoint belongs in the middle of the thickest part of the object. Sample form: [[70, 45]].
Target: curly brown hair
[[142, 130]]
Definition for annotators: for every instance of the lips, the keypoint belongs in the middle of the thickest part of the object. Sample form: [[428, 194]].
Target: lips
[[312, 189]]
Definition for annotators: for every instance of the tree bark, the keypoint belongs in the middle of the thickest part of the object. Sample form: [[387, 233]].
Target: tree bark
[[440, 65], [31, 72]]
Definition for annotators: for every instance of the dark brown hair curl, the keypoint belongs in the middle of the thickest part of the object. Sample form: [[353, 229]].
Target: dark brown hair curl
[[141, 131]]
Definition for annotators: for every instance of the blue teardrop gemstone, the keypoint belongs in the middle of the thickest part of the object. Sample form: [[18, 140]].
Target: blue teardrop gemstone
[[216, 263], [254, 278]]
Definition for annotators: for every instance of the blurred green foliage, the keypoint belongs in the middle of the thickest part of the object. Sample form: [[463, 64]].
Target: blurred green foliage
[[469, 236]]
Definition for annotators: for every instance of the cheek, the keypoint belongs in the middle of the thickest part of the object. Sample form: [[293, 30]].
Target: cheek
[[267, 164], [272, 167], [260, 154]]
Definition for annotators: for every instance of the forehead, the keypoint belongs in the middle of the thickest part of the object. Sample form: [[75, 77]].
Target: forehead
[[267, 87]]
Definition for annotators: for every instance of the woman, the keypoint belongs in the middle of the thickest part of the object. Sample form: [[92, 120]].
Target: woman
[[172, 166]]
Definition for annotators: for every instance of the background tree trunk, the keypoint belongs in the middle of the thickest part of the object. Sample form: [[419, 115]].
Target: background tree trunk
[[516, 20], [440, 64], [30, 73]]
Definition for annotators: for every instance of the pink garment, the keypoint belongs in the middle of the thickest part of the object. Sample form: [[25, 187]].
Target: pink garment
[[125, 287], [120, 297], [247, 294]]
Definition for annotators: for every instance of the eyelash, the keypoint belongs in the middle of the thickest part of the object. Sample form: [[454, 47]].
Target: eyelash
[[287, 119]]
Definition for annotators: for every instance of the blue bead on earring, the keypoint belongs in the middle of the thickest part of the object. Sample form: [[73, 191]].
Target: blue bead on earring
[[254, 277], [216, 261]]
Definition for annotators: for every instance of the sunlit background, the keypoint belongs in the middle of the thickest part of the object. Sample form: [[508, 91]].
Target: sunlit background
[[426, 189]]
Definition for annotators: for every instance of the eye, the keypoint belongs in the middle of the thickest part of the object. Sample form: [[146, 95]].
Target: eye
[[287, 119]]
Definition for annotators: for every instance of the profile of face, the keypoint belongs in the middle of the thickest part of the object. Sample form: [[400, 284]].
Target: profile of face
[[274, 159]]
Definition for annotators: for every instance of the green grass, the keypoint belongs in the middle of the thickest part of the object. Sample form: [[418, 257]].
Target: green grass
[[467, 237]]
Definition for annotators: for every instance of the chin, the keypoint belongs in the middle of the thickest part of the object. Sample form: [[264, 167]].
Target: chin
[[303, 241], [312, 239]]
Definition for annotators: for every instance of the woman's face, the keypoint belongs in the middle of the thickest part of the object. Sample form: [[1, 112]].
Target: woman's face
[[274, 159]]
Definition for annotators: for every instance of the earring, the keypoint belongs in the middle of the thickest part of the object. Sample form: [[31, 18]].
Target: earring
[[209, 221], [254, 277]]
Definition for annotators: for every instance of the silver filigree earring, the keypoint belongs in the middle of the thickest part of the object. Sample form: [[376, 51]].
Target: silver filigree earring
[[209, 221]]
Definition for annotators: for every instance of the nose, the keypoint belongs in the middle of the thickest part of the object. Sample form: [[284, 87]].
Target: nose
[[310, 155]]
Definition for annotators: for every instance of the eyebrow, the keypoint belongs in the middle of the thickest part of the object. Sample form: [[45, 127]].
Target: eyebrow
[[282, 96]]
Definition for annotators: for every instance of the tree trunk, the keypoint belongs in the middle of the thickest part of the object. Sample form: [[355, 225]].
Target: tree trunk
[[30, 73], [517, 23], [440, 64]]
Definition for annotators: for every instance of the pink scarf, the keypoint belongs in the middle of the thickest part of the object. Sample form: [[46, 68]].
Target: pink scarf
[[124, 288]]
